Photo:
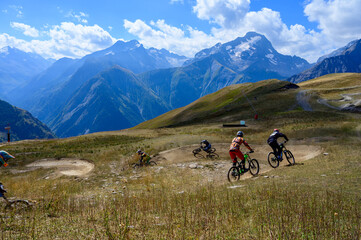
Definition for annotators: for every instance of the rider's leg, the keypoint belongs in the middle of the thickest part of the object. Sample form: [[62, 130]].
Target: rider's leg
[[233, 156], [240, 156], [276, 148]]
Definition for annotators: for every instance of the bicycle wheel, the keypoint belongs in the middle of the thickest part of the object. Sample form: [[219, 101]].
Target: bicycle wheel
[[135, 165], [197, 150], [253, 167], [233, 174], [213, 155], [272, 160], [198, 155], [18, 206], [152, 163], [290, 158]]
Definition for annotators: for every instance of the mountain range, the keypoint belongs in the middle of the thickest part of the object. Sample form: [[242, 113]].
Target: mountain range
[[79, 105], [343, 60], [18, 67], [126, 84]]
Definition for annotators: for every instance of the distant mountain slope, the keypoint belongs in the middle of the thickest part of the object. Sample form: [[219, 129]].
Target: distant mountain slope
[[254, 56], [348, 60], [46, 100], [230, 104], [112, 100], [248, 59], [18, 67], [23, 124]]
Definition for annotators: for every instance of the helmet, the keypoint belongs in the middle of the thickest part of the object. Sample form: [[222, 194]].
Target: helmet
[[276, 130], [239, 134], [204, 141], [139, 151]]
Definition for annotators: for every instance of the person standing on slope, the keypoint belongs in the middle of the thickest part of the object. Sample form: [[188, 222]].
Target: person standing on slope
[[234, 149], [272, 141]]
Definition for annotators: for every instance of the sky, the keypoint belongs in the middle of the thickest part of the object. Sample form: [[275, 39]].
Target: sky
[[75, 28]]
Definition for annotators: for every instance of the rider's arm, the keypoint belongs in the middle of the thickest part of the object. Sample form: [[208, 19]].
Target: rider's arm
[[246, 144], [284, 136]]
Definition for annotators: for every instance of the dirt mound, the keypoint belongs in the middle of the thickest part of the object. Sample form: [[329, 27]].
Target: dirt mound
[[65, 166]]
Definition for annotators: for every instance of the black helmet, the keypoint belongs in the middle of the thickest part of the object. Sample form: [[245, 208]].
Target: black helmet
[[204, 141], [139, 151], [239, 134]]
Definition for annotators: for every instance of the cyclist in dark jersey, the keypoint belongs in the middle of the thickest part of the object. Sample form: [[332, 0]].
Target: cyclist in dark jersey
[[206, 146], [272, 141]]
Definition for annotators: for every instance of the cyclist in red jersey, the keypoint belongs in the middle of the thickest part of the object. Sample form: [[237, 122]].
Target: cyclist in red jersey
[[234, 149]]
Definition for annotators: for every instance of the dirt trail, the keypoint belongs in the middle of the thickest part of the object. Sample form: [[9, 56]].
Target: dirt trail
[[216, 170], [65, 166]]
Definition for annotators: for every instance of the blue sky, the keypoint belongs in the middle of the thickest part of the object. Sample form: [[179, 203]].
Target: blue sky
[[74, 28]]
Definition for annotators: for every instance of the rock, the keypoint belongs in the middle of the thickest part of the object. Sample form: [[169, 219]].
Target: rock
[[325, 154], [193, 166], [235, 186]]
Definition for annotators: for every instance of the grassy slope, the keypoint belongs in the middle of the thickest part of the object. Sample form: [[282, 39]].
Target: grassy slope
[[317, 200]]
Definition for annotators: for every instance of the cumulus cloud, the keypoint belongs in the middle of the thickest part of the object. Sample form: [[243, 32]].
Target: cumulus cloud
[[338, 23], [65, 40], [225, 13], [339, 20], [158, 34], [26, 29]]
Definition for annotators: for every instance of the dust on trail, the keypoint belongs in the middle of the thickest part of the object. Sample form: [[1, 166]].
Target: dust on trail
[[65, 166], [216, 170]]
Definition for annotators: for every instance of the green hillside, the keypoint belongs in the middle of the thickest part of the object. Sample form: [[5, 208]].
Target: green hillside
[[87, 189], [231, 104]]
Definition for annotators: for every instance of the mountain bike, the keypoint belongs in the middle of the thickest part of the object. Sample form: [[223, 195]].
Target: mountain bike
[[15, 206], [138, 165], [275, 162], [209, 154], [250, 165]]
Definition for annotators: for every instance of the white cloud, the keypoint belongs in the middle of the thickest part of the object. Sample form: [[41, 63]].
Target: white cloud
[[176, 1], [339, 23], [81, 17], [26, 29], [161, 35], [339, 20], [66, 40], [18, 9], [225, 13]]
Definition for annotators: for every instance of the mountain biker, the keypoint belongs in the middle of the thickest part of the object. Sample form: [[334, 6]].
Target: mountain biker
[[4, 157], [234, 149], [272, 141], [144, 158], [207, 146], [2, 191]]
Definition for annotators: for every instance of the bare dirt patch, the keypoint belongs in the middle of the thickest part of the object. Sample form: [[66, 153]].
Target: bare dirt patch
[[216, 170], [65, 166]]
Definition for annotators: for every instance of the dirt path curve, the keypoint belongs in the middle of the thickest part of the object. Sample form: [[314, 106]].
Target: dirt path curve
[[216, 170], [65, 166], [303, 98]]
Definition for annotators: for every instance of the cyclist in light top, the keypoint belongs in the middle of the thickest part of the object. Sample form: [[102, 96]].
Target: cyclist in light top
[[4, 157], [272, 141], [234, 149]]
